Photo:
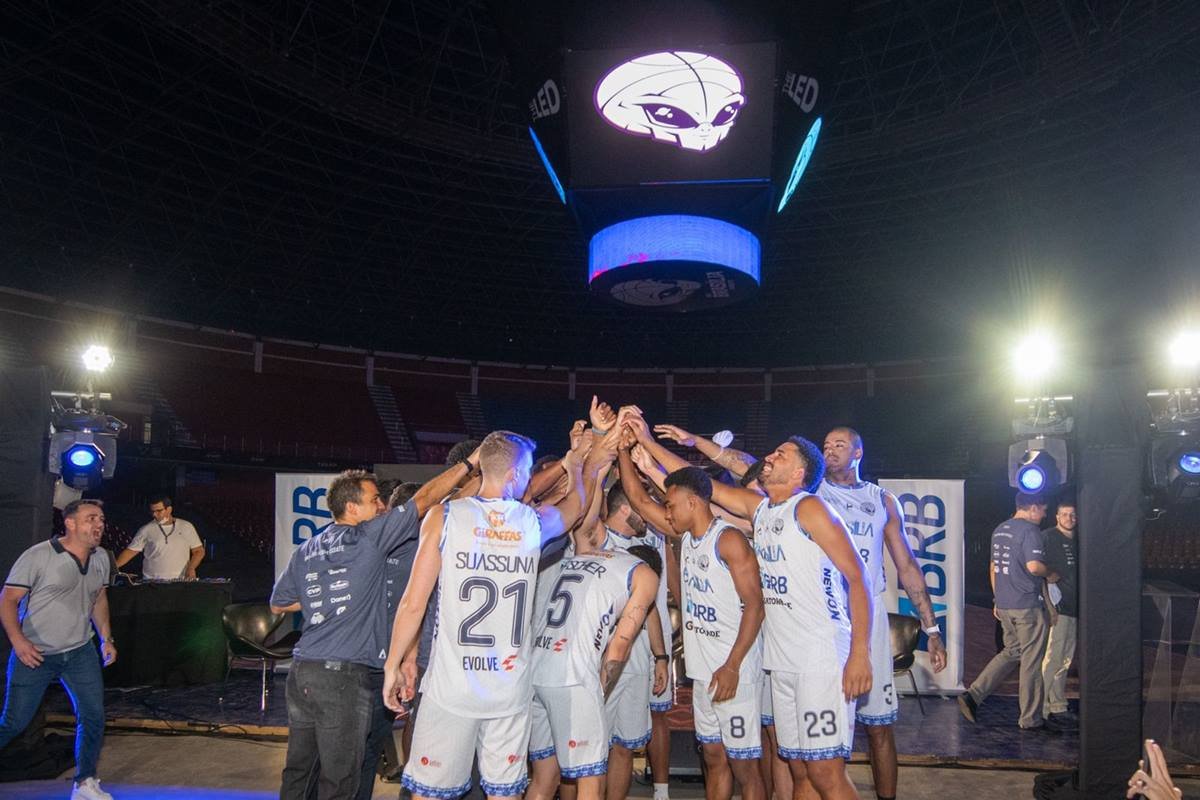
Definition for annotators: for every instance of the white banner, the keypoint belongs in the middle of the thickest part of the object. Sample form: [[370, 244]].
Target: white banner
[[934, 523], [300, 511]]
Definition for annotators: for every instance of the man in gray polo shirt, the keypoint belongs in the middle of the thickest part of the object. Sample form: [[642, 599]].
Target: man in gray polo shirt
[[54, 595], [1018, 572]]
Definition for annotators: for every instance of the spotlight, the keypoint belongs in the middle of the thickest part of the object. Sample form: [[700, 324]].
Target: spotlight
[[1038, 465], [1035, 356], [83, 458], [1184, 349], [97, 358], [1190, 463]]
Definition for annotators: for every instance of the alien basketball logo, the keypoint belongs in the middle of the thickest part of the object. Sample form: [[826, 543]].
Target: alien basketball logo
[[690, 100], [653, 292]]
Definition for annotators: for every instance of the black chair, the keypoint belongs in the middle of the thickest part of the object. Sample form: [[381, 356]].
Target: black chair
[[248, 626], [905, 633]]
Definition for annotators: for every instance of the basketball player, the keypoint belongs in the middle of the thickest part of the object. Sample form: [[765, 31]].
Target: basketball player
[[585, 633], [819, 659], [723, 614], [483, 553], [639, 693], [873, 518]]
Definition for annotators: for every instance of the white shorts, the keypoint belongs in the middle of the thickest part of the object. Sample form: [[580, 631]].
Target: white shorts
[[664, 700], [813, 721], [628, 711], [444, 745], [569, 723], [735, 723], [878, 706], [766, 700]]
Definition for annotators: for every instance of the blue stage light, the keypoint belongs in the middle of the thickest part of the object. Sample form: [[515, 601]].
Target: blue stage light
[[806, 151], [1031, 479], [549, 169], [1190, 463], [82, 457]]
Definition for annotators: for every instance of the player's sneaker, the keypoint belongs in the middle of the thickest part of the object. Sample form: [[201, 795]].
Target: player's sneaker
[[89, 789]]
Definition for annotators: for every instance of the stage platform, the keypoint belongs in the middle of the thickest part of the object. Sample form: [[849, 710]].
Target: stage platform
[[939, 737]]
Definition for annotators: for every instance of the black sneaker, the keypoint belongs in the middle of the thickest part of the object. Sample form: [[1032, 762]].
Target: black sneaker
[[968, 706]]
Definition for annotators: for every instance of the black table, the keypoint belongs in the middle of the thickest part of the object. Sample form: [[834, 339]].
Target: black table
[[168, 634]]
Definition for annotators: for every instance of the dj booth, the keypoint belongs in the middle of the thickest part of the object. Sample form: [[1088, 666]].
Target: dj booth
[[168, 633]]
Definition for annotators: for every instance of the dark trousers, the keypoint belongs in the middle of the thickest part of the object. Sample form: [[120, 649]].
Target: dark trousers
[[377, 735], [79, 672], [329, 713]]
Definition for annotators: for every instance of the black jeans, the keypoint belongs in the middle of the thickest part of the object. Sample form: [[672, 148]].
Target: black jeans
[[379, 731], [329, 713]]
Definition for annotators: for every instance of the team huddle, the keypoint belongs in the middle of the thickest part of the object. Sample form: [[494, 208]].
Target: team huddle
[[547, 600]]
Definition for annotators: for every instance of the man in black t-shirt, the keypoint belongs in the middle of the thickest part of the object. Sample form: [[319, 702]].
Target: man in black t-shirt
[[1059, 551]]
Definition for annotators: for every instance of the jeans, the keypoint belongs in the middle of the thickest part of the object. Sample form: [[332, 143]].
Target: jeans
[[379, 731], [79, 672], [1059, 653], [1024, 645], [329, 714]]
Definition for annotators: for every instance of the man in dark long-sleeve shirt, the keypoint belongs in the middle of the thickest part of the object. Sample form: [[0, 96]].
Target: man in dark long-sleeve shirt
[[1059, 549]]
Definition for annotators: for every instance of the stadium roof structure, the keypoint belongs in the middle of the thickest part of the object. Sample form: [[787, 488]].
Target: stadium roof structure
[[361, 173]]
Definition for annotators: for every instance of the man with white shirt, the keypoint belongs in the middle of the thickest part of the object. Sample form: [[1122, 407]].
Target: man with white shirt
[[170, 547]]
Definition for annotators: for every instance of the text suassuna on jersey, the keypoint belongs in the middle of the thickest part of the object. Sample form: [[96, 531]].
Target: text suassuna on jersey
[[494, 562]]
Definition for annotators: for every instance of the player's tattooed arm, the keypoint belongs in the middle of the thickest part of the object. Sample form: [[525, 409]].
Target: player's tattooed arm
[[909, 573], [610, 673], [731, 459], [639, 498]]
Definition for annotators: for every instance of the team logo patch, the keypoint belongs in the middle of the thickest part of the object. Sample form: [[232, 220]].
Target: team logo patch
[[702, 561], [777, 526], [868, 508]]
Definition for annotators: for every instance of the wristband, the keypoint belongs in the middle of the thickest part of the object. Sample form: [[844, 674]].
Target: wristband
[[109, 640], [933, 630], [662, 658]]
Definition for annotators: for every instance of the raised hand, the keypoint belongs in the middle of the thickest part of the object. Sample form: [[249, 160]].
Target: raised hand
[[643, 460], [675, 434], [602, 416], [578, 433]]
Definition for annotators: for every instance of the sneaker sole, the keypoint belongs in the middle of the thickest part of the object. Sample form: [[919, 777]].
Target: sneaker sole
[[966, 710]]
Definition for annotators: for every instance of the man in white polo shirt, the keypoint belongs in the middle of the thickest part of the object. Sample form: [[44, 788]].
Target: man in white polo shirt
[[170, 547]]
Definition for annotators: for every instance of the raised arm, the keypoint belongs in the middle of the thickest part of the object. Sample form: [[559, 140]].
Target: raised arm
[[742, 502], [639, 498], [912, 578], [827, 530], [406, 625], [730, 458], [641, 601], [738, 556], [559, 519], [433, 491]]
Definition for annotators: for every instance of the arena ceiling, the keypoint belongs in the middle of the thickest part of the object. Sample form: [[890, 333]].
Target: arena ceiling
[[360, 173]]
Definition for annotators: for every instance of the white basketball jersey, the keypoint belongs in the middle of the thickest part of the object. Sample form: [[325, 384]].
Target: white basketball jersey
[[479, 663], [587, 595], [807, 629], [641, 658], [712, 609], [861, 507]]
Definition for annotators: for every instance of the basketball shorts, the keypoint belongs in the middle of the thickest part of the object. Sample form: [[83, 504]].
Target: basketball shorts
[[445, 743], [813, 720], [628, 711], [766, 700], [735, 723], [878, 706], [569, 723]]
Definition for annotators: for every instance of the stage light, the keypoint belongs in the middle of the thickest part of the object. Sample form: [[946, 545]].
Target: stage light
[[1190, 463], [82, 456], [1035, 355], [1184, 350], [97, 358], [1038, 465], [1174, 464]]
